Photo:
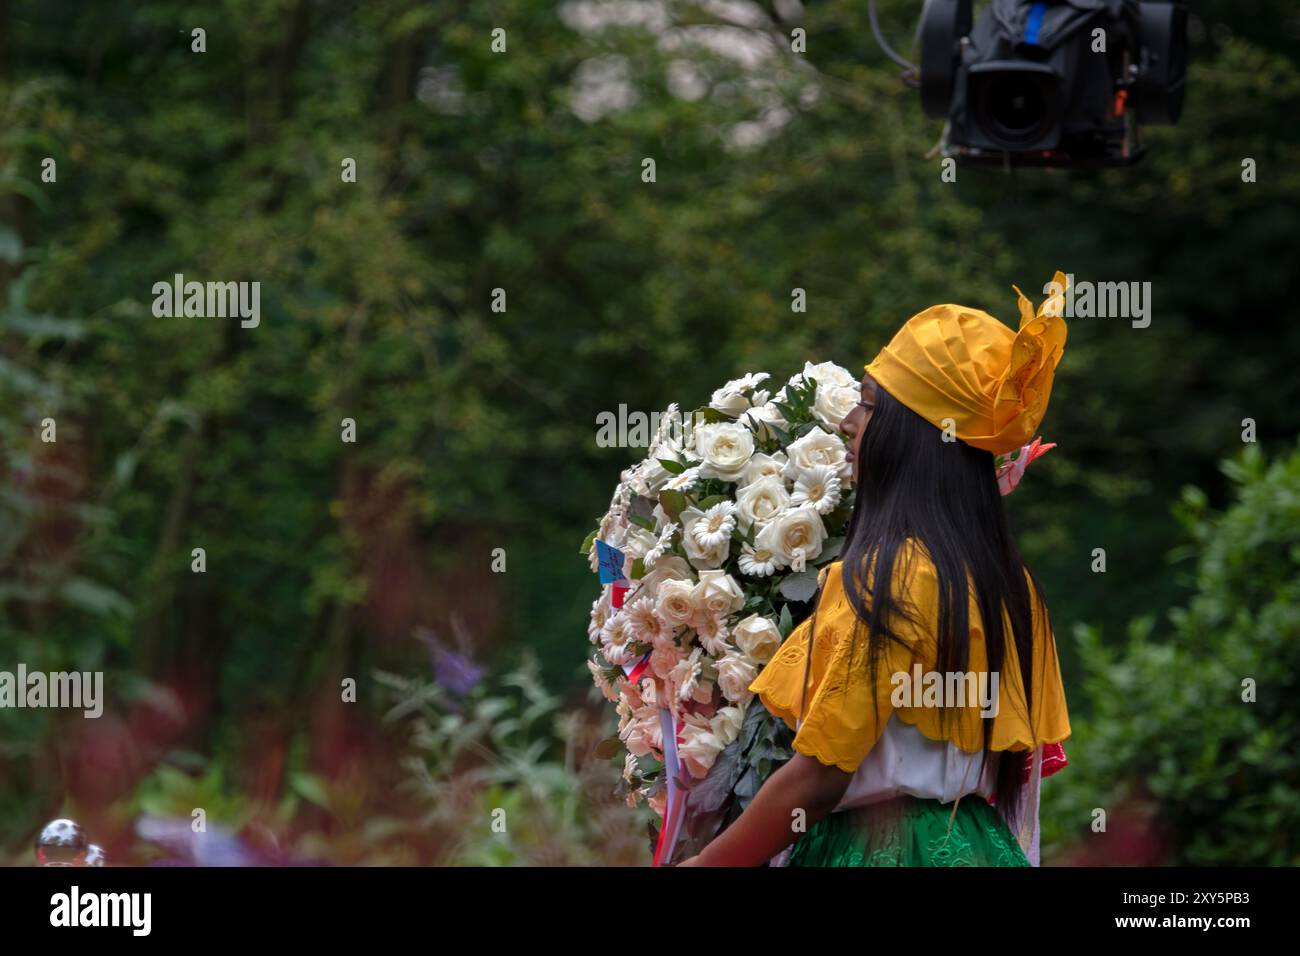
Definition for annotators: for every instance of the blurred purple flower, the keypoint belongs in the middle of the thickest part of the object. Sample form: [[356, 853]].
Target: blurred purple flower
[[215, 847], [455, 671]]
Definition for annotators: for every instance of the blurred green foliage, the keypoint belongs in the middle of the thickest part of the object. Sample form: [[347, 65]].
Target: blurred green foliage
[[1202, 726], [476, 428]]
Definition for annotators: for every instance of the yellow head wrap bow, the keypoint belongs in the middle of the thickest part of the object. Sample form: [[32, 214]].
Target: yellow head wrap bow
[[957, 363]]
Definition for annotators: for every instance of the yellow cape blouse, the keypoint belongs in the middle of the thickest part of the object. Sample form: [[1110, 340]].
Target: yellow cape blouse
[[843, 721]]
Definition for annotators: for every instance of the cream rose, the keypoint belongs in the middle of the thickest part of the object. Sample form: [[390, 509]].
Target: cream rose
[[649, 477], [818, 447], [831, 403], [761, 416], [762, 466], [761, 501], [667, 568], [638, 542], [825, 373], [758, 637], [717, 594], [726, 723], [724, 449], [675, 602], [731, 398], [795, 537], [735, 674], [698, 750]]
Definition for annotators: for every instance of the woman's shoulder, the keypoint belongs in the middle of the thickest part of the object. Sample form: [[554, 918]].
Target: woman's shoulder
[[913, 568]]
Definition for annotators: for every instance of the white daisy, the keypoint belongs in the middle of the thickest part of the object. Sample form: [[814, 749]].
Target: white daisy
[[757, 562], [685, 481], [616, 640], [712, 633], [686, 676], [662, 547], [716, 526], [645, 623], [818, 486]]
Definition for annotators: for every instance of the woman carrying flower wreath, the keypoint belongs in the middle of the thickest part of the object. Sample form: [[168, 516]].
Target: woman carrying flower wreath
[[931, 590]]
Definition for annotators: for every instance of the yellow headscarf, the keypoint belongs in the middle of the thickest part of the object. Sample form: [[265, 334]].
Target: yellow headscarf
[[954, 362]]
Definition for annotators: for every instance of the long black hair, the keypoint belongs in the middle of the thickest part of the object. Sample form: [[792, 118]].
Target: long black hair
[[943, 495]]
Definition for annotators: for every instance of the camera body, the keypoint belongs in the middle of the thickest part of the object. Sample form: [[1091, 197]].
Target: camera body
[[1052, 82]]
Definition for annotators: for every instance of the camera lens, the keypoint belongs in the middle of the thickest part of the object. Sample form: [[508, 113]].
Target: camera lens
[[1015, 105]]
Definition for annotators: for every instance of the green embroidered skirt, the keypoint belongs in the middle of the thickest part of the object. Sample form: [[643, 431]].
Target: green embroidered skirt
[[908, 831]]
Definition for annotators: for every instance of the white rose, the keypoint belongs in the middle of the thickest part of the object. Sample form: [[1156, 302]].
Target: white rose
[[725, 448], [675, 604], [699, 749], [638, 542], [711, 556], [717, 594], [731, 398], [760, 416], [735, 674], [761, 466], [729, 402], [726, 723], [667, 568], [816, 448], [649, 477], [761, 501], [794, 537], [825, 373], [831, 403], [758, 637]]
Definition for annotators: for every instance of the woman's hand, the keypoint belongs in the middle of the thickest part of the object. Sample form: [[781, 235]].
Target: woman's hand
[[690, 861], [765, 828]]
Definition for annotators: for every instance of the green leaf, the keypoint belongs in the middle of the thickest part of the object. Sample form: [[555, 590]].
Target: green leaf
[[608, 749], [642, 522], [587, 542], [710, 416], [780, 433], [786, 624], [311, 788], [11, 246], [92, 597], [676, 467], [830, 550], [673, 503], [799, 587]]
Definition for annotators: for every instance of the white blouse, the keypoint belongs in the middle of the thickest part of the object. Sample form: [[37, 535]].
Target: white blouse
[[906, 762]]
